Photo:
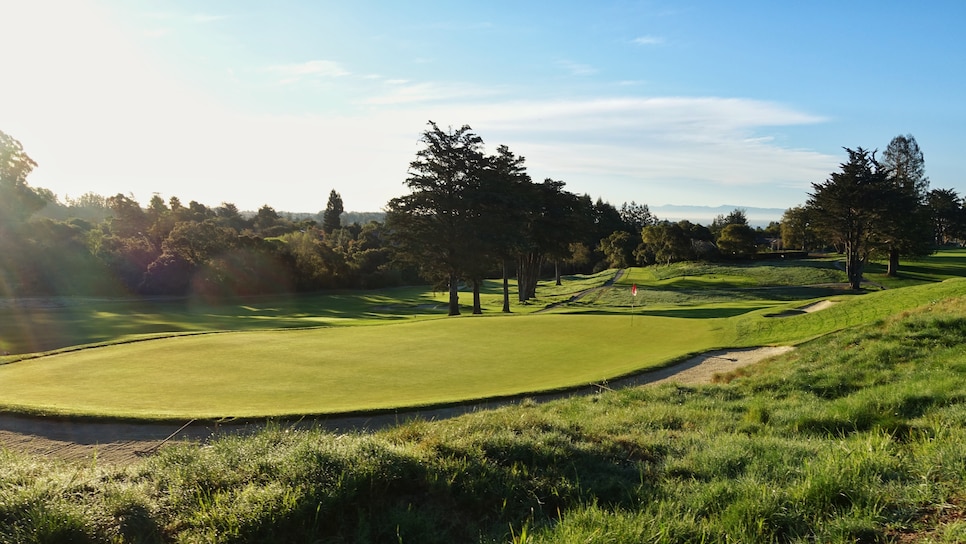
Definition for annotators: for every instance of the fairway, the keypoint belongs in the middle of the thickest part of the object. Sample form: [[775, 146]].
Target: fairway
[[337, 370]]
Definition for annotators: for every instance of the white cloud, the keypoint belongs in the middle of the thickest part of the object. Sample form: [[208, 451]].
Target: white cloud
[[576, 68], [660, 149], [292, 73], [648, 40], [204, 18], [404, 92]]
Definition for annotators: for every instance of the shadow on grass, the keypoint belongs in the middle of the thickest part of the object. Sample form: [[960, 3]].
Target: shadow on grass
[[700, 313], [46, 324], [684, 313]]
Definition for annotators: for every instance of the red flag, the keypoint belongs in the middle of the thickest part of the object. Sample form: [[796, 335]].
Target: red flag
[[634, 289]]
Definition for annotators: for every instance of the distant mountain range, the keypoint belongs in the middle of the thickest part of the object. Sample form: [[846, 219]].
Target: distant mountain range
[[706, 214]]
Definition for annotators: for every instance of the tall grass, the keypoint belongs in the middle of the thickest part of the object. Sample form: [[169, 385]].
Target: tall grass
[[854, 437]]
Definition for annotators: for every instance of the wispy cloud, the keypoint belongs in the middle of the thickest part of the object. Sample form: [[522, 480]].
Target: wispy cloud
[[665, 115], [576, 68], [166, 23], [204, 18], [196, 18], [667, 147], [648, 40], [292, 73], [404, 92]]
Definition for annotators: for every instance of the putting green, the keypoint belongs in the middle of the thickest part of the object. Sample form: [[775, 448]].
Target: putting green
[[337, 370]]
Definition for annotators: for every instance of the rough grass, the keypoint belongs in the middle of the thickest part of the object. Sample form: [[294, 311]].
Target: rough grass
[[855, 437]]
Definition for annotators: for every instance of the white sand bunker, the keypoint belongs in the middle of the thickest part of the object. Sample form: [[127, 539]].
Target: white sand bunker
[[807, 309]]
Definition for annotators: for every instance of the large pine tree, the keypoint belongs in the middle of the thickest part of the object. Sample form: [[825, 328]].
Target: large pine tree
[[332, 216], [906, 228], [849, 206], [430, 226]]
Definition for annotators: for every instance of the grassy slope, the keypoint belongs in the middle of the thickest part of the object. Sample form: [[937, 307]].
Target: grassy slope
[[856, 437]]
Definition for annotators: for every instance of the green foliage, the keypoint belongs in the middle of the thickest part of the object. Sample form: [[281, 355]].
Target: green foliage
[[332, 216], [617, 249], [737, 240], [17, 199]]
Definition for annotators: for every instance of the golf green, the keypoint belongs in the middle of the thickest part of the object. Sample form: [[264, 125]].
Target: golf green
[[338, 370]]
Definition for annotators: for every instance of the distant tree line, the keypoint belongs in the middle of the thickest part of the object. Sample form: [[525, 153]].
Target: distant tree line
[[467, 216], [114, 245]]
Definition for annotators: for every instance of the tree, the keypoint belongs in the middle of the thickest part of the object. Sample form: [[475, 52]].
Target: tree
[[553, 221], [197, 242], [332, 216], [665, 242], [796, 228], [89, 206], [128, 220], [17, 199], [636, 216], [229, 216], [734, 217], [905, 227], [737, 240], [947, 214], [429, 226], [501, 212], [269, 223], [847, 207], [617, 249]]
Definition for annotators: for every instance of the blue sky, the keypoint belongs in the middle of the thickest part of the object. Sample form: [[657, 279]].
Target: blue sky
[[688, 102]]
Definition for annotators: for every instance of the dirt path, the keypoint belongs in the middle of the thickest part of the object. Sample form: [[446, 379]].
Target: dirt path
[[121, 443], [585, 292]]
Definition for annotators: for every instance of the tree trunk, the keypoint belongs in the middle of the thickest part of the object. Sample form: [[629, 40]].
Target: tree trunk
[[506, 290], [477, 308], [454, 297], [853, 269], [524, 271], [893, 262], [556, 270], [528, 272]]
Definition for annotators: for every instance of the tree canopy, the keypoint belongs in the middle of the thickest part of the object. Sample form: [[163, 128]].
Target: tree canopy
[[905, 227], [848, 207], [332, 216], [17, 199]]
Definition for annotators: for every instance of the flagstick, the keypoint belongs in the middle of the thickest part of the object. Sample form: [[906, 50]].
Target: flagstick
[[633, 299]]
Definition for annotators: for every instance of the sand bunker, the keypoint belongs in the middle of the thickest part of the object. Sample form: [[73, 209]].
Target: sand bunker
[[813, 307]]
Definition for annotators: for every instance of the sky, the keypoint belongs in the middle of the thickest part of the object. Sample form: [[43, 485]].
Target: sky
[[698, 103]]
